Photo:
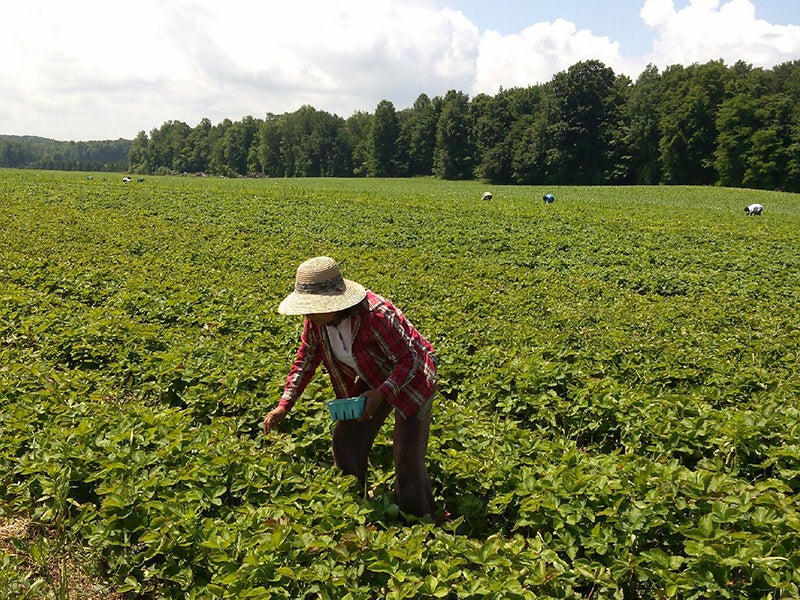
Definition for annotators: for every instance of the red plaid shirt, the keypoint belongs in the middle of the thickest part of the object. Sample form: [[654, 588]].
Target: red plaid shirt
[[391, 356]]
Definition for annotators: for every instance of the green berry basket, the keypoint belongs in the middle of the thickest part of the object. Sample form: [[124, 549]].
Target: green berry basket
[[344, 409]]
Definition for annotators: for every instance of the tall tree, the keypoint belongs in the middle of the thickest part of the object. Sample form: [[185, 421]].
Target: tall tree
[[328, 144], [453, 153], [383, 141], [165, 146], [15, 153], [531, 150], [236, 147], [693, 98], [418, 132], [490, 119], [644, 133], [195, 154], [218, 162], [499, 124], [584, 113], [736, 123], [138, 155], [357, 134], [268, 143], [768, 159]]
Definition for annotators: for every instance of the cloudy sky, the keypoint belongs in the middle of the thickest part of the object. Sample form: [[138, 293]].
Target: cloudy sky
[[105, 69]]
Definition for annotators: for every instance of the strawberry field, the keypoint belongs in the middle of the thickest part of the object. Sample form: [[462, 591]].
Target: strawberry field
[[618, 412]]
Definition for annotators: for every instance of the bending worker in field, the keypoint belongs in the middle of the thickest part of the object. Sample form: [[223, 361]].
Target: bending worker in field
[[369, 349]]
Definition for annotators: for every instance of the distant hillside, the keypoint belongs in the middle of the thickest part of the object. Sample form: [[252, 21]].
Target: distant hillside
[[32, 152]]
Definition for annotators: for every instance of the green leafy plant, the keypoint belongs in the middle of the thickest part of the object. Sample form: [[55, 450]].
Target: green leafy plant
[[617, 413]]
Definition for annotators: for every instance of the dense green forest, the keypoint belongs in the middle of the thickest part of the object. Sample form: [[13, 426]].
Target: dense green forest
[[42, 153], [705, 124]]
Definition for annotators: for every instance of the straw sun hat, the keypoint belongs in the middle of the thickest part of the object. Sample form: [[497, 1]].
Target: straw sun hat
[[320, 288]]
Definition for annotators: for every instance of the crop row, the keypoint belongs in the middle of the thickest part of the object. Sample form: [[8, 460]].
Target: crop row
[[617, 416]]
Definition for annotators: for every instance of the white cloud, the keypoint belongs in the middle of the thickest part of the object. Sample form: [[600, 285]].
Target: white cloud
[[91, 66], [702, 31], [94, 69], [656, 13], [707, 30], [537, 53]]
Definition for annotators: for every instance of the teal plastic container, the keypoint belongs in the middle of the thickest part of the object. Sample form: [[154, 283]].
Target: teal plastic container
[[344, 409]]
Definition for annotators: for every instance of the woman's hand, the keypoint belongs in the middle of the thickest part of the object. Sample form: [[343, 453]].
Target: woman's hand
[[273, 418], [374, 400]]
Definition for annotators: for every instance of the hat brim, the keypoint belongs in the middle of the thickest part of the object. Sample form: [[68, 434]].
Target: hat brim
[[311, 304]]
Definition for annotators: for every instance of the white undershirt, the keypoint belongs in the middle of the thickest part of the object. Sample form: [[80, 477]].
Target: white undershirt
[[341, 337]]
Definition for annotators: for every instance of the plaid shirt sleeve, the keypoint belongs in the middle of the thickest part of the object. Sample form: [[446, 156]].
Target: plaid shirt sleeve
[[305, 365], [393, 357]]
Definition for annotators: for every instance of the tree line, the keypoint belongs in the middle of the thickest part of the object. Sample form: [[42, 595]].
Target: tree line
[[705, 124], [33, 152]]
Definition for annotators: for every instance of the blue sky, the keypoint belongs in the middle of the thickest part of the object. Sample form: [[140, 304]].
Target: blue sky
[[102, 69], [617, 19]]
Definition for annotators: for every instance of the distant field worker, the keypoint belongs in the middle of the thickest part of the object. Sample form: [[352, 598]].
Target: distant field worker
[[753, 209], [369, 349]]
